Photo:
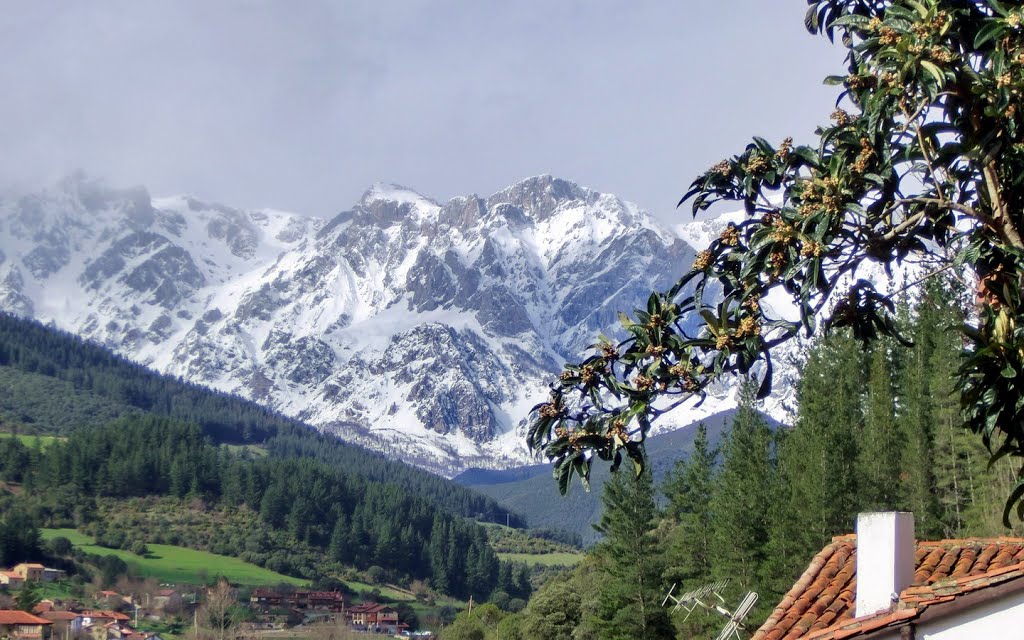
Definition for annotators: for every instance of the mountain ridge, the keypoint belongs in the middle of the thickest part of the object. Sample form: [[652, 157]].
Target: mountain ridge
[[425, 330]]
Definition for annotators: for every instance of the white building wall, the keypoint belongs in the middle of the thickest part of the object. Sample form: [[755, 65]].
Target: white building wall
[[1001, 619]]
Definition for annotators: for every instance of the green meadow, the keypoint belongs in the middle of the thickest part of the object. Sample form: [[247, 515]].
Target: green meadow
[[546, 559], [173, 564], [30, 440]]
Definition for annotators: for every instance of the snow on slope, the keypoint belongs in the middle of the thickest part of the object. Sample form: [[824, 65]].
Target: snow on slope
[[420, 329]]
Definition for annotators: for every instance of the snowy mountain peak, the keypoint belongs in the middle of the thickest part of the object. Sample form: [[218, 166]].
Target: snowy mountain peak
[[419, 329], [540, 196]]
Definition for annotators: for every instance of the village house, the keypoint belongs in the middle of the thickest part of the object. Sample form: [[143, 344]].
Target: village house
[[20, 625], [66, 624], [265, 599], [43, 606], [97, 618], [52, 575], [166, 600], [143, 635], [882, 585], [29, 572], [333, 601], [370, 616]]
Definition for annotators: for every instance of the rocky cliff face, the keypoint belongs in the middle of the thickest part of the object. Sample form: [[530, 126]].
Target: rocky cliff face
[[422, 329]]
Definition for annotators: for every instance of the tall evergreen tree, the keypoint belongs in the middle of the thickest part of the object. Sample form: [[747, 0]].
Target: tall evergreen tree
[[881, 441], [917, 486], [630, 602], [817, 495], [688, 489], [959, 460], [742, 495]]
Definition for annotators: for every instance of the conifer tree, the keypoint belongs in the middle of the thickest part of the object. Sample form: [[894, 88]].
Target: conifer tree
[[917, 485], [742, 495], [880, 442], [630, 592], [817, 488], [959, 460], [688, 489]]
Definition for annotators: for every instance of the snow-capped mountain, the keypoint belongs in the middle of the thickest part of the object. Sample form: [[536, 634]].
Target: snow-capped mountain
[[422, 329]]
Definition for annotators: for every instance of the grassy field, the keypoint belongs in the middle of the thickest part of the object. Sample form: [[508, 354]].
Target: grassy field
[[179, 564], [387, 592], [547, 559], [256, 450], [167, 563], [30, 441]]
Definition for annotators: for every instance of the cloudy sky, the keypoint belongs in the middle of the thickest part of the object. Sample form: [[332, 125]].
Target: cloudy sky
[[301, 104]]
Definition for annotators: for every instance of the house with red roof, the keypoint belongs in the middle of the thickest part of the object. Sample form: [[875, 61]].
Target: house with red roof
[[20, 625], [30, 571], [265, 598], [882, 584], [167, 599], [65, 623], [11, 579], [93, 617], [374, 617]]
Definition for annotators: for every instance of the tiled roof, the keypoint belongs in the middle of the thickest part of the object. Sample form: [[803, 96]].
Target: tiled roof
[[56, 616], [113, 615], [821, 603], [20, 617]]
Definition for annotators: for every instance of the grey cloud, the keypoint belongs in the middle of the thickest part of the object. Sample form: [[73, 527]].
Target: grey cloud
[[300, 105]]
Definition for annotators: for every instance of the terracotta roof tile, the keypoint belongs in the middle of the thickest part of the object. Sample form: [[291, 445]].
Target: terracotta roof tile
[[20, 617], [821, 603]]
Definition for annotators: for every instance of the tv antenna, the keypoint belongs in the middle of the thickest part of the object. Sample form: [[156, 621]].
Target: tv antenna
[[700, 597], [709, 597]]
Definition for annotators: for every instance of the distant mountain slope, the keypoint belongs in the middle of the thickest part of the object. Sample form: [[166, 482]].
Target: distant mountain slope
[[532, 492]]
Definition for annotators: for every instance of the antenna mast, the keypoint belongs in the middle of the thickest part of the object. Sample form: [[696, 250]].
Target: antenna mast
[[709, 597]]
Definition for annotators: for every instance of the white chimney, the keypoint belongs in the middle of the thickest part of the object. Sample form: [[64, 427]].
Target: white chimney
[[885, 559]]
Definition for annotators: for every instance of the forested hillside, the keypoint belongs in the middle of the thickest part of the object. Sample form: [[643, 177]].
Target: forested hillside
[[358, 522], [53, 382], [129, 433]]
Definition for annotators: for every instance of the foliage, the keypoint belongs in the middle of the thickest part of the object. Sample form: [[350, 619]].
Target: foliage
[[818, 458], [19, 538], [629, 602], [689, 489], [28, 597], [744, 489], [923, 164], [219, 610], [759, 507], [553, 613], [537, 541], [311, 502]]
